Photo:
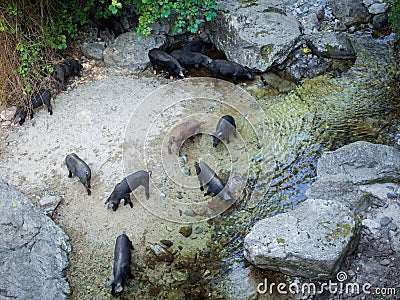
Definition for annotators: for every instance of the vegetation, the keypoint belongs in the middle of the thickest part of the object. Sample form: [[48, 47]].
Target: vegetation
[[394, 19], [33, 32]]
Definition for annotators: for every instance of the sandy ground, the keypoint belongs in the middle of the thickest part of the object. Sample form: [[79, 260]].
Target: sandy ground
[[104, 120]]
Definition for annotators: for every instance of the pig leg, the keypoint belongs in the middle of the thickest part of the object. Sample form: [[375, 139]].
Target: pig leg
[[127, 200], [146, 190]]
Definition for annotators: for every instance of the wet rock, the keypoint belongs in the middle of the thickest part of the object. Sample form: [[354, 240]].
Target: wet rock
[[385, 262], [127, 52], [161, 254], [198, 230], [331, 45], [392, 226], [49, 203], [350, 12], [176, 294], [257, 35], [190, 213], [167, 243], [236, 184], [380, 25], [362, 163], [339, 188], [310, 241], [33, 252], [93, 50], [186, 231]]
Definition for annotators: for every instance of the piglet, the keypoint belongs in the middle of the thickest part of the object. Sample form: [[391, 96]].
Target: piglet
[[79, 168], [123, 189], [225, 126], [122, 264], [182, 132], [208, 177]]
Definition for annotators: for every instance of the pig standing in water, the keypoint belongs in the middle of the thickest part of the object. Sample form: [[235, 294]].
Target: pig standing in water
[[78, 167], [182, 132], [208, 177], [123, 189], [225, 126], [229, 69], [122, 264]]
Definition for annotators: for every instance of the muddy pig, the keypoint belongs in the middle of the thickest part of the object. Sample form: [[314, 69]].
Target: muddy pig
[[79, 168], [122, 264], [182, 132], [123, 189], [195, 46], [229, 69], [163, 59], [225, 126], [208, 177], [37, 100], [191, 58]]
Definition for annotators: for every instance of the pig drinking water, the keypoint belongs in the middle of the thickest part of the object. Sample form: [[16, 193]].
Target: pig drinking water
[[37, 100], [208, 177], [123, 189], [163, 59], [229, 69], [225, 126], [79, 168], [122, 264], [191, 58], [182, 132]]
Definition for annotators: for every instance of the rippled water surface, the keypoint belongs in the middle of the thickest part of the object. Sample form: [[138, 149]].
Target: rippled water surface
[[321, 114]]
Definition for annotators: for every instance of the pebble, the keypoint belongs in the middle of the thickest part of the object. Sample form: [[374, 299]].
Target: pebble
[[190, 212], [167, 243], [385, 221], [198, 230], [186, 231], [385, 262], [392, 195], [392, 226]]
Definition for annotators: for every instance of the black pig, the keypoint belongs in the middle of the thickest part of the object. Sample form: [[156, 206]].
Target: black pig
[[191, 58], [79, 168], [225, 126], [163, 59], [122, 264], [208, 177], [64, 70], [195, 46], [229, 69], [126, 186], [37, 100]]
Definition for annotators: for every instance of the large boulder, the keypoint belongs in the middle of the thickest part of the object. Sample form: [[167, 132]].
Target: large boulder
[[310, 241], [126, 51], [362, 163], [33, 250], [331, 45], [255, 34]]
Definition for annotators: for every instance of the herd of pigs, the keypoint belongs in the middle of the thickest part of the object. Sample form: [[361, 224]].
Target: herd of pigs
[[191, 54]]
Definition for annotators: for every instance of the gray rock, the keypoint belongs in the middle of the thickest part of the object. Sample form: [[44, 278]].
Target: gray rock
[[372, 225], [33, 250], [385, 221], [395, 241], [392, 226], [350, 12], [255, 35], [378, 8], [310, 241], [385, 262], [331, 45], [49, 203], [8, 113], [339, 188], [236, 184], [93, 50], [362, 163], [127, 52], [310, 23], [380, 25]]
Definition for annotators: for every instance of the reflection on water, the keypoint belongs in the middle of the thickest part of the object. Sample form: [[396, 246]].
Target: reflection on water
[[321, 114]]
